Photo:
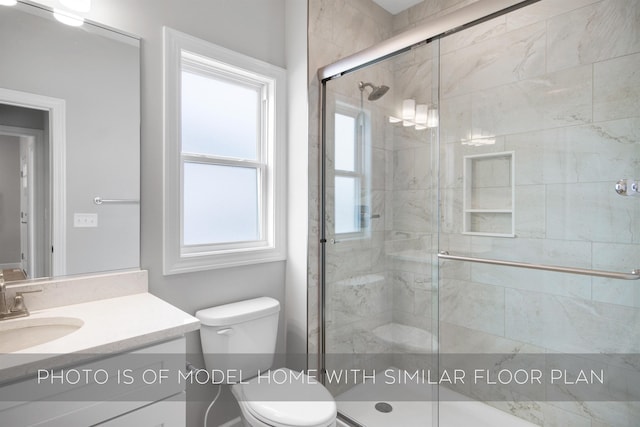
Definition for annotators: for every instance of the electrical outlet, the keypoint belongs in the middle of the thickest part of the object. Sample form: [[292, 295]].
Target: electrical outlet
[[85, 220]]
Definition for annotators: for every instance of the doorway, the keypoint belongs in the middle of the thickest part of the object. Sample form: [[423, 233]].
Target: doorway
[[24, 191]]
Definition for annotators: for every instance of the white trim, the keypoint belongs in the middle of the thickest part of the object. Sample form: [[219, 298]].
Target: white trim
[[10, 266], [177, 259], [28, 146], [57, 155]]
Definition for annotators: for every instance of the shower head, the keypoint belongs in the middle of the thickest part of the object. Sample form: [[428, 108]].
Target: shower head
[[377, 92]]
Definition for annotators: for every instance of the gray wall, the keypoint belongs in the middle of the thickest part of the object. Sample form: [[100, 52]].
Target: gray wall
[[254, 28], [9, 199]]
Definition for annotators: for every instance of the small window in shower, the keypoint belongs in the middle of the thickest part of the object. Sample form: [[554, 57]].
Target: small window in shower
[[350, 172]]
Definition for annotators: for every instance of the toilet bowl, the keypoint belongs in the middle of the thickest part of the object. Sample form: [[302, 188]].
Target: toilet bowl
[[241, 337]]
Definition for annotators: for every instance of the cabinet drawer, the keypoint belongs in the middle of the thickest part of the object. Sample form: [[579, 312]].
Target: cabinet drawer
[[166, 413], [91, 401]]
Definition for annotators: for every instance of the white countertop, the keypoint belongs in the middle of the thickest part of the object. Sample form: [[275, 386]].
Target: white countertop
[[111, 326]]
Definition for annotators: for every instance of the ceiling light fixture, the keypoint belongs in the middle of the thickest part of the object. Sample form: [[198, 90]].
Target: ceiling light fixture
[[420, 116]]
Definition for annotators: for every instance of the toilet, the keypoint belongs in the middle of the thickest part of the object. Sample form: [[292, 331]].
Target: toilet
[[239, 339]]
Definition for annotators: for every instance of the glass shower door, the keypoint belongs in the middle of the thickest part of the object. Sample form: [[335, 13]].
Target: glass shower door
[[540, 119], [380, 225]]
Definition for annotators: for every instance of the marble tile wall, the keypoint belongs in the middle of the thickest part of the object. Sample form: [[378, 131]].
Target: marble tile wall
[[425, 10], [357, 298], [337, 28], [556, 83]]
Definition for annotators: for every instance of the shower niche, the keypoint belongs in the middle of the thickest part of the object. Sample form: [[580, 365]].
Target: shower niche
[[489, 194]]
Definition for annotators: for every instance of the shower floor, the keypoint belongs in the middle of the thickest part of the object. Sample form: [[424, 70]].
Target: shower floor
[[412, 407]]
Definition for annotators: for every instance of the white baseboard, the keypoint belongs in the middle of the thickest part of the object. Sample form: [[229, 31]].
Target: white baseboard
[[10, 266]]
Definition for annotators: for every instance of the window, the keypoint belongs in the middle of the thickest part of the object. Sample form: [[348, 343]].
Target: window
[[351, 159], [224, 165]]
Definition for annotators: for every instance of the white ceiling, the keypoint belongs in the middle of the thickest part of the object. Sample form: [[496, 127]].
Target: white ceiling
[[396, 6]]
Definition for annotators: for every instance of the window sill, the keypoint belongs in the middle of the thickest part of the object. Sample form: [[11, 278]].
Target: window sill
[[186, 263]]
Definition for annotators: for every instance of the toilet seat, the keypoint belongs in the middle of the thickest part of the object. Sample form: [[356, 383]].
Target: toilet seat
[[286, 398]]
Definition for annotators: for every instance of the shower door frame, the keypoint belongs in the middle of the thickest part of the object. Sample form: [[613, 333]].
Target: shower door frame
[[433, 29]]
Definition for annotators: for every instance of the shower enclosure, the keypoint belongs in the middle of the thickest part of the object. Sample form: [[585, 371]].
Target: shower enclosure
[[484, 210]]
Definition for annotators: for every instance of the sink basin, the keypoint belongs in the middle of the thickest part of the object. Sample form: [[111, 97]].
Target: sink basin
[[24, 333]]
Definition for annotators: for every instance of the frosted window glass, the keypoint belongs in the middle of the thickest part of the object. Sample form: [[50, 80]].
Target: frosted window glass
[[219, 117], [346, 209], [220, 204], [345, 143]]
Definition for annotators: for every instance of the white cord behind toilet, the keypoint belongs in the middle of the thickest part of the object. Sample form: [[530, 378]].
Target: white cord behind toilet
[[194, 370], [206, 414]]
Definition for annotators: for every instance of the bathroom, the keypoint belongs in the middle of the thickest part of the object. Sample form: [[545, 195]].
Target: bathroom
[[276, 31]]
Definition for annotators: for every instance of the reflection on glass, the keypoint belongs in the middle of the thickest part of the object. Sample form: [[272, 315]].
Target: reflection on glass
[[346, 208], [345, 135], [57, 86]]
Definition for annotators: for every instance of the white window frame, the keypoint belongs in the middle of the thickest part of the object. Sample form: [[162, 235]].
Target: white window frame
[[182, 49], [362, 172]]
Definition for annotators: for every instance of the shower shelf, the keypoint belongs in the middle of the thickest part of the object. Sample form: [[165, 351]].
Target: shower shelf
[[406, 338], [488, 194]]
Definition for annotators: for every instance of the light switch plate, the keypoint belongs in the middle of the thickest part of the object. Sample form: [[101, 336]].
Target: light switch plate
[[85, 220]]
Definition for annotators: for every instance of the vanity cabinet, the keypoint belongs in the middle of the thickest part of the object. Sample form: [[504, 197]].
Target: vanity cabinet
[[127, 401]]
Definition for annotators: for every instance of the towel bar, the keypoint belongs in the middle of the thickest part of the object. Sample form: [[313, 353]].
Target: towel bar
[[99, 200]]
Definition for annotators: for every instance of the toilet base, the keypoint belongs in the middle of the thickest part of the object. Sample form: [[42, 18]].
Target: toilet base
[[249, 420]]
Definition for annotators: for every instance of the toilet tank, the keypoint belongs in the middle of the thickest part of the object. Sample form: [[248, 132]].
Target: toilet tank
[[239, 339]]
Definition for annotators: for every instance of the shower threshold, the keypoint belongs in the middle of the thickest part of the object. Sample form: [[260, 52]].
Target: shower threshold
[[376, 404]]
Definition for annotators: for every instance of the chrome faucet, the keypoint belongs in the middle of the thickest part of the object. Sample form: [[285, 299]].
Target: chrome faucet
[[18, 308]]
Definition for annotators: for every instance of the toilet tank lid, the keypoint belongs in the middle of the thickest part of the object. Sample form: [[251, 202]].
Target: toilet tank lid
[[238, 312]]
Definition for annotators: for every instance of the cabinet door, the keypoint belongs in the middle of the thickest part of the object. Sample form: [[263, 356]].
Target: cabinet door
[[166, 413]]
